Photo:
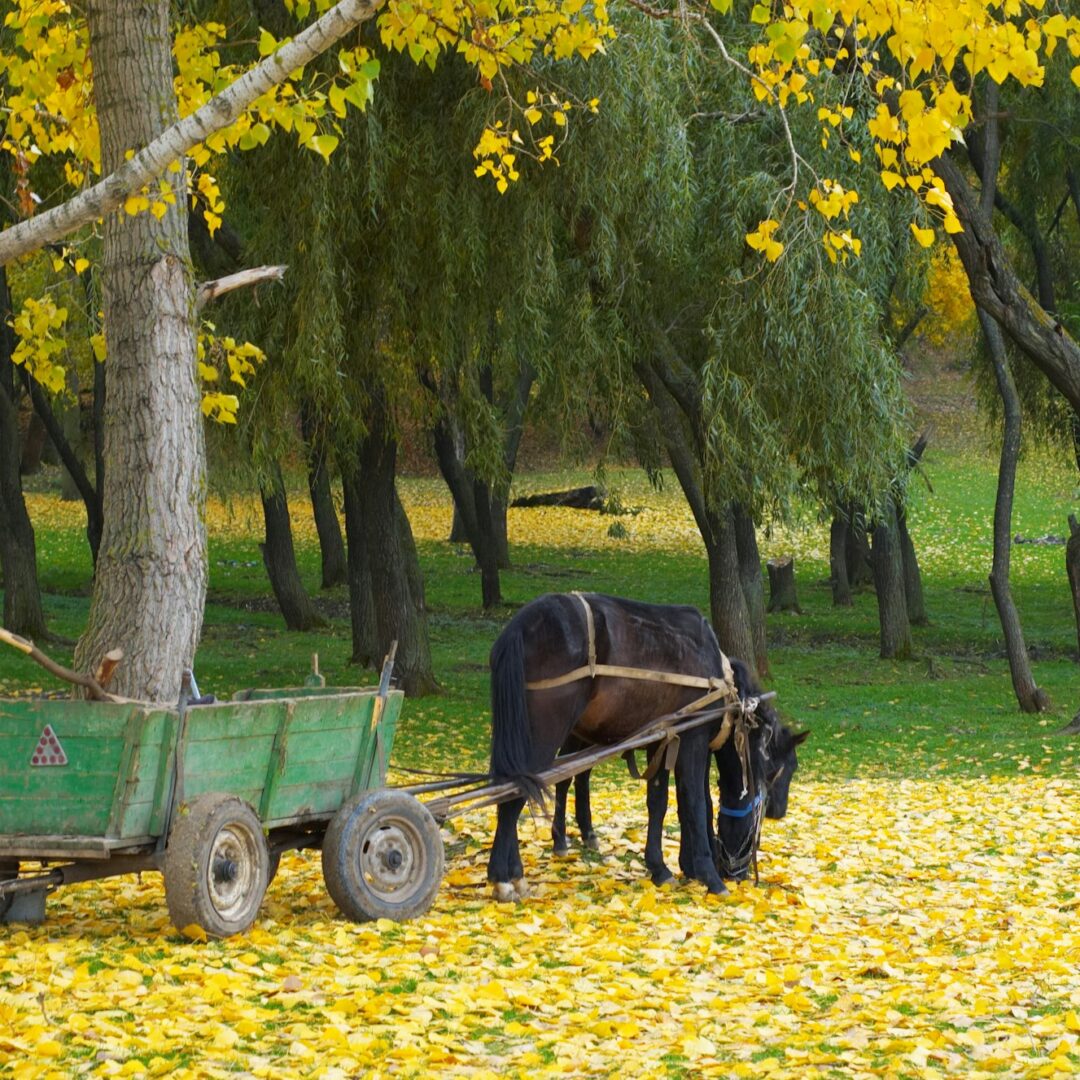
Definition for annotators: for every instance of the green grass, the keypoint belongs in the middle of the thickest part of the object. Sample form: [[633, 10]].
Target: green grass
[[949, 711]]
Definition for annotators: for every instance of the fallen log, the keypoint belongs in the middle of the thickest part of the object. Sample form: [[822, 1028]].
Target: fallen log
[[581, 498]]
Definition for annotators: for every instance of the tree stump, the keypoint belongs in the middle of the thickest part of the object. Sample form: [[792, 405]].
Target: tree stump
[[782, 585]]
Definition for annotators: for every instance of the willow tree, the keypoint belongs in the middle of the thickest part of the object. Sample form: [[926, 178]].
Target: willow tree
[[759, 383], [151, 576]]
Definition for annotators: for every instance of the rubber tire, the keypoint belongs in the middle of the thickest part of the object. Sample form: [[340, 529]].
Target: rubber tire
[[215, 823], [9, 871], [367, 831]]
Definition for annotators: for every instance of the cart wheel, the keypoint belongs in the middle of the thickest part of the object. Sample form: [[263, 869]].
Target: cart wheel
[[9, 871], [383, 857], [216, 865]]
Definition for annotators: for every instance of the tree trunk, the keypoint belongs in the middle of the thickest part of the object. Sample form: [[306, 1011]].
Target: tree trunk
[[458, 532], [998, 291], [331, 545], [782, 596], [913, 590], [279, 558], [727, 601], [888, 563], [399, 611], [365, 638], [838, 576], [472, 505], [90, 495], [23, 613], [860, 566], [1072, 568], [753, 588], [150, 582], [1028, 694]]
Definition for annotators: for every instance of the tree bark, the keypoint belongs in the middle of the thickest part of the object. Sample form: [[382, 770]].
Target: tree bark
[[331, 545], [913, 589], [472, 506], [1028, 694], [782, 595], [279, 558], [838, 559], [23, 613], [365, 637], [1072, 568], [752, 585], [150, 584], [888, 566], [397, 594], [727, 601], [860, 568]]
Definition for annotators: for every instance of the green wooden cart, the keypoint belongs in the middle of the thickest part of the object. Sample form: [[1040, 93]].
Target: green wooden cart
[[211, 795]]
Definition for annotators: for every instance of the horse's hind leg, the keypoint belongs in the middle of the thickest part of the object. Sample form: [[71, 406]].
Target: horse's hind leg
[[583, 811], [558, 818], [656, 799], [504, 864]]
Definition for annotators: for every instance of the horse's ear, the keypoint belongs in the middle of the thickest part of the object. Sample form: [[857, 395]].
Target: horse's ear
[[800, 737]]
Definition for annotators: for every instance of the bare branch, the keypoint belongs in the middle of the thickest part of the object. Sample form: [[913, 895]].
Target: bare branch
[[256, 275], [171, 145]]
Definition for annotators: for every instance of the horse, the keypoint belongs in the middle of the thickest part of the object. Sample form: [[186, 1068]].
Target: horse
[[593, 666], [778, 745]]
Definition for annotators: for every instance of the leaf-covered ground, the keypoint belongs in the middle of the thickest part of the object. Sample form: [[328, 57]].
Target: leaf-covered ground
[[904, 928]]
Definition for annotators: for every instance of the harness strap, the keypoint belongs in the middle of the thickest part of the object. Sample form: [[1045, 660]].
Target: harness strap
[[746, 811], [667, 753], [590, 626]]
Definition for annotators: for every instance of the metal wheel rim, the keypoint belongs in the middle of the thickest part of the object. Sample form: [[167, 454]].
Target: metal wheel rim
[[393, 859], [232, 869]]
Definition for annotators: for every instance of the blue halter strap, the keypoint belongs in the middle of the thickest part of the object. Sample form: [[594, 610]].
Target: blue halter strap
[[746, 811]]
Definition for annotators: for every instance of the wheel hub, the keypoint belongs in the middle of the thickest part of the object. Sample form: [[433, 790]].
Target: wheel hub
[[232, 869]]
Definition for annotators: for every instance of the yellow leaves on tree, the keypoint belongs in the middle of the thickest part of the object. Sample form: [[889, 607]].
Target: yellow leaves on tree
[[215, 354], [919, 57], [39, 327]]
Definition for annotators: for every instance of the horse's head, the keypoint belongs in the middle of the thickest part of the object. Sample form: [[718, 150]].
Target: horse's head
[[778, 758], [755, 786]]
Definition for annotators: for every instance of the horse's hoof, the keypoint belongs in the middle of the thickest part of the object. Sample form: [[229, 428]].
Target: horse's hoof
[[717, 889], [521, 888], [561, 849], [662, 877], [592, 842], [504, 892]]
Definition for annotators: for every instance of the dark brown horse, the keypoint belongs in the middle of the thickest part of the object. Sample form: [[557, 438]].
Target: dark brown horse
[[560, 635], [777, 747]]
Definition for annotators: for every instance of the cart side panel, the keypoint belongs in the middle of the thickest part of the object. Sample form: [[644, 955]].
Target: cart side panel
[[316, 756], [140, 789], [85, 796], [227, 747]]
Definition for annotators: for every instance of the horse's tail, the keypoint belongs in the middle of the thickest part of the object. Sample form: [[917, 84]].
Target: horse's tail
[[511, 730]]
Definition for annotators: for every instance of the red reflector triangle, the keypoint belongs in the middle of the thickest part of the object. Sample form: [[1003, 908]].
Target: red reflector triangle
[[48, 750]]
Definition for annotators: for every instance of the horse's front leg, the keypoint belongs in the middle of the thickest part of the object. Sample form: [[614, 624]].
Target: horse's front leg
[[504, 864], [696, 858], [656, 798]]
